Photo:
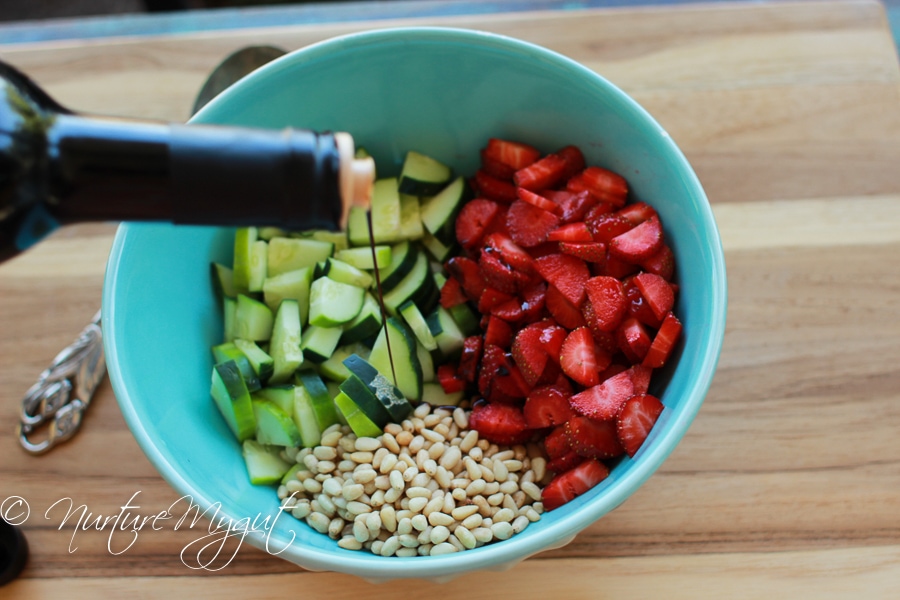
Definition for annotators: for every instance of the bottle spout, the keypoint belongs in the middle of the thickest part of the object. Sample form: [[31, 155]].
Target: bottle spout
[[357, 177]]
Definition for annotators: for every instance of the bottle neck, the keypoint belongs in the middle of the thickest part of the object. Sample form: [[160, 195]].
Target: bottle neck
[[108, 169]]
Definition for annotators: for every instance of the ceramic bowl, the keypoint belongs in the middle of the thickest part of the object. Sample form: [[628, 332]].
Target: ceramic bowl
[[442, 92]]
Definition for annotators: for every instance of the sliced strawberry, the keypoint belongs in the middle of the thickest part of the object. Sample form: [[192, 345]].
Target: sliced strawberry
[[566, 273], [607, 298], [510, 252], [534, 299], [542, 174], [492, 359], [497, 332], [637, 305], [572, 206], [529, 355], [573, 483], [664, 342], [605, 185], [510, 311], [578, 357], [614, 369], [633, 339], [470, 358], [593, 439], [607, 226], [662, 263], [491, 298], [496, 168], [537, 200], [449, 378], [552, 375], [509, 380], [493, 188], [565, 462], [657, 292], [603, 401], [516, 155], [598, 211], [637, 212], [592, 252], [497, 274], [467, 272], [452, 293], [573, 232], [616, 267], [551, 340], [475, 217], [499, 423], [635, 420], [547, 407], [528, 225], [605, 340], [640, 378], [564, 312], [556, 443], [640, 243], [574, 160]]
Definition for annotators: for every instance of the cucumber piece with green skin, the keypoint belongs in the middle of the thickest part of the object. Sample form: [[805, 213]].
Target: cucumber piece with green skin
[[267, 233], [284, 347], [304, 415], [223, 280], [290, 254], [422, 175], [319, 343], [361, 258], [393, 400], [385, 211], [436, 248], [358, 226], [403, 259], [332, 303], [337, 238], [274, 427], [427, 363], [434, 394], [264, 465], [446, 332], [244, 238], [413, 317], [290, 285], [292, 472], [281, 395], [229, 351], [263, 364], [334, 368], [229, 308], [233, 399], [259, 252], [253, 320], [363, 396], [418, 286], [406, 364], [366, 324], [320, 397], [439, 211], [466, 318], [343, 272], [411, 227], [361, 425]]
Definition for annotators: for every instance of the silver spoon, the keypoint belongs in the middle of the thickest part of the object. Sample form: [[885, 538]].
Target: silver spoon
[[63, 391]]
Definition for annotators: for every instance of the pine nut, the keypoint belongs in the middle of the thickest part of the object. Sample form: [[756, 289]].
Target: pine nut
[[368, 444], [443, 548]]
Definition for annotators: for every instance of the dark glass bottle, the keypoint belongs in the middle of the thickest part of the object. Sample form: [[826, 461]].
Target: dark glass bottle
[[57, 167]]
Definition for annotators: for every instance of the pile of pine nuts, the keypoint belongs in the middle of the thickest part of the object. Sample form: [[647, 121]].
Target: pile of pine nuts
[[427, 486]]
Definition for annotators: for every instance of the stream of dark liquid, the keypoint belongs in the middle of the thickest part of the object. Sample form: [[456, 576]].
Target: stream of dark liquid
[[384, 315]]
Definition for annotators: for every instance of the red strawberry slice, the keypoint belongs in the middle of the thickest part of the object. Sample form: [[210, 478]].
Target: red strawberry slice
[[635, 420], [605, 185], [598, 211], [509, 380], [491, 298], [496, 168], [662, 263], [529, 355], [592, 252], [516, 155], [607, 226], [511, 253], [633, 339], [566, 273], [551, 340], [607, 297], [605, 340], [499, 423], [467, 272], [470, 358], [637, 305], [474, 219], [510, 311], [616, 267], [574, 160], [564, 312], [572, 206], [573, 232], [640, 243], [578, 357], [537, 200], [637, 212], [640, 378], [556, 443], [528, 225], [449, 378], [496, 273], [573, 483], [593, 439], [565, 462], [493, 188], [657, 292], [452, 293], [497, 332], [492, 359], [603, 401], [544, 173], [664, 342], [547, 407], [534, 299]]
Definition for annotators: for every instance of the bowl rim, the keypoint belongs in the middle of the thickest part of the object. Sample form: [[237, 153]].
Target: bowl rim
[[566, 526]]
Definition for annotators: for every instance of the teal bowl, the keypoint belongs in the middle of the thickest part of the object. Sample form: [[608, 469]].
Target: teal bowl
[[442, 92]]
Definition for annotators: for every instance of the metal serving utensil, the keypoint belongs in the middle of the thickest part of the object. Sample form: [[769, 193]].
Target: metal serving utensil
[[53, 408]]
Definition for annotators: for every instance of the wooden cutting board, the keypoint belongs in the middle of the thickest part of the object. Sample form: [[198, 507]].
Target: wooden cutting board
[[788, 482]]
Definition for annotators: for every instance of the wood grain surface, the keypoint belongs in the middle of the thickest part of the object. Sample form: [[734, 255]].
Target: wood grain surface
[[788, 483]]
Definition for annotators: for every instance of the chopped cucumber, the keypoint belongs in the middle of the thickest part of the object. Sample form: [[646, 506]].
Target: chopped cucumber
[[415, 320], [418, 286], [427, 362], [446, 332], [410, 218], [405, 358], [338, 238], [393, 400], [333, 303], [362, 258], [230, 351], [281, 395], [366, 400], [319, 343], [334, 368], [320, 398], [436, 248], [253, 320], [466, 318], [361, 425], [439, 212], [264, 465], [223, 280], [244, 238], [258, 265], [284, 348], [403, 259], [229, 308], [274, 426], [343, 272], [434, 394], [422, 175], [358, 226], [290, 254], [305, 417], [233, 399], [385, 211], [267, 233], [293, 285], [263, 364], [366, 324]]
